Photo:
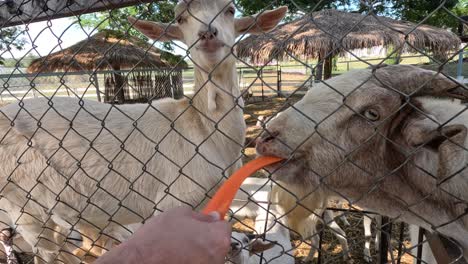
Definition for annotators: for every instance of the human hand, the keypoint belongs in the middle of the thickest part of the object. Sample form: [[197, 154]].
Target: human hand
[[178, 235]]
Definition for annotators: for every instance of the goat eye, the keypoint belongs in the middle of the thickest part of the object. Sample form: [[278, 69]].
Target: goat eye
[[231, 11], [180, 20], [372, 114]]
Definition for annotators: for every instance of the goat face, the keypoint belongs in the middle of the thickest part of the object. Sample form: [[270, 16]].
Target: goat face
[[327, 127], [209, 29], [356, 137]]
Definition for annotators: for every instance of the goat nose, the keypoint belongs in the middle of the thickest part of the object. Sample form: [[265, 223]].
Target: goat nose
[[235, 245], [209, 34]]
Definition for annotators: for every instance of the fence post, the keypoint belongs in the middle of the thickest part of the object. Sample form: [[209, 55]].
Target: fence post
[[96, 84], [460, 66], [261, 81], [386, 231], [34, 92], [278, 80], [400, 242], [241, 83], [319, 253], [171, 83], [420, 245]]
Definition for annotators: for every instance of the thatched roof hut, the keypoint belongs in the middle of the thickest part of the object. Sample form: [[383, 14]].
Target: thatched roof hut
[[328, 33], [104, 50], [111, 50]]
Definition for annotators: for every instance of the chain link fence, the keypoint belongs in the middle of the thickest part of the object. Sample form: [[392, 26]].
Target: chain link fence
[[93, 142]]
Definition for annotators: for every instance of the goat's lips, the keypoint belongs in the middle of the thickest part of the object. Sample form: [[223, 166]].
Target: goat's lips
[[210, 46], [288, 170]]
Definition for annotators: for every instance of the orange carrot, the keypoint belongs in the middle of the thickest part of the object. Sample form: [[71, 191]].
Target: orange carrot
[[222, 200]]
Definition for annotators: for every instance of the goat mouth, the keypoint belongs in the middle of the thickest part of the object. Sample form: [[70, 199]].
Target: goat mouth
[[291, 164], [210, 47]]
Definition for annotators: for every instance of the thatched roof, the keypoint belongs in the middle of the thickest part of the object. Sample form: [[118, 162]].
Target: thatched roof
[[321, 32], [104, 50]]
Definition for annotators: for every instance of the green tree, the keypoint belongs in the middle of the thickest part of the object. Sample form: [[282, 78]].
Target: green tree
[[410, 10], [10, 37], [22, 62], [419, 10], [250, 7], [117, 19]]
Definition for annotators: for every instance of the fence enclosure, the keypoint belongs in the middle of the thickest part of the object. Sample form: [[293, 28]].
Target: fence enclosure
[[271, 78]]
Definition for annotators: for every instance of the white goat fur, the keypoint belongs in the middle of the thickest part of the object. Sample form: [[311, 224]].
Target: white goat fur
[[242, 249], [218, 149], [303, 218], [170, 147], [394, 194], [252, 201]]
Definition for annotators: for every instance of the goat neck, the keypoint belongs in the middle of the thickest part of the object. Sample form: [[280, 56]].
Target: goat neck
[[217, 91]]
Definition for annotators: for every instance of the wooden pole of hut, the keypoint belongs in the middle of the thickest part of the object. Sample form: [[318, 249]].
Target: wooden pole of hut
[[328, 67], [119, 92], [319, 68]]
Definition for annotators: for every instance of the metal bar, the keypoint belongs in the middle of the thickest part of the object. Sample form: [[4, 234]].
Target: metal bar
[[386, 230], [379, 59], [420, 245], [279, 80], [49, 74], [261, 79], [400, 242], [96, 84], [319, 254], [265, 228], [460, 66], [30, 11]]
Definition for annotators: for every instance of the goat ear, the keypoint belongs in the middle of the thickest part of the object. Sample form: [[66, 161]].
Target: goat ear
[[157, 31], [260, 23], [258, 246], [448, 141]]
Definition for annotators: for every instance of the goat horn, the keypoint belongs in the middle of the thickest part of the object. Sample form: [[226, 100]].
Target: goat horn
[[414, 81]]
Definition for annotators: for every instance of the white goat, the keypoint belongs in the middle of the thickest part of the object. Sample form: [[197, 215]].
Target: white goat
[[252, 201], [245, 249], [401, 156], [93, 165], [303, 211]]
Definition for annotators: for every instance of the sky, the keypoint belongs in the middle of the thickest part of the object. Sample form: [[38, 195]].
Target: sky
[[49, 36]]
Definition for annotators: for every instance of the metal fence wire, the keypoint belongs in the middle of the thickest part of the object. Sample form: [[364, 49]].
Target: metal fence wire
[[98, 137]]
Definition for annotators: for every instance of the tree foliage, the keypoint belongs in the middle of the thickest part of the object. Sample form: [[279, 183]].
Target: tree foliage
[[423, 10], [250, 7], [10, 38], [410, 10], [117, 19]]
